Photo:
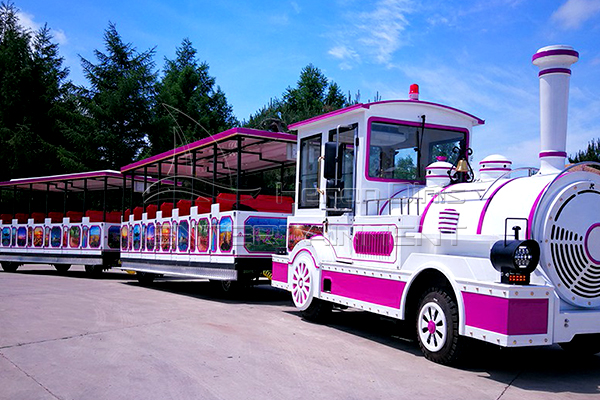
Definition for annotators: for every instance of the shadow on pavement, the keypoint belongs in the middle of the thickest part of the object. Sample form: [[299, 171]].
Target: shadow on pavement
[[547, 369], [202, 289]]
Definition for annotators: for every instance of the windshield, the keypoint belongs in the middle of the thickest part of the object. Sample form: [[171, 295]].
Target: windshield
[[394, 150]]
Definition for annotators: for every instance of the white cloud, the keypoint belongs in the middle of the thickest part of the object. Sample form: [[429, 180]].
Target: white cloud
[[375, 34], [28, 22], [295, 7], [343, 53], [574, 13]]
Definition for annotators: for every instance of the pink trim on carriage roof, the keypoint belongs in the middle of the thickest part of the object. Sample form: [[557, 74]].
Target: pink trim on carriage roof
[[210, 140], [369, 105], [66, 177]]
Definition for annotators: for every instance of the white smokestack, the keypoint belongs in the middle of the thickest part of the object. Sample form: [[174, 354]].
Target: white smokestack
[[554, 63]]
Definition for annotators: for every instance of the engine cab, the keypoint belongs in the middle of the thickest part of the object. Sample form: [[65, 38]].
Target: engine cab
[[391, 218]]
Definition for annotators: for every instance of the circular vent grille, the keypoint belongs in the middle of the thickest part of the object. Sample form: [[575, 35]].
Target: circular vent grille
[[571, 247]]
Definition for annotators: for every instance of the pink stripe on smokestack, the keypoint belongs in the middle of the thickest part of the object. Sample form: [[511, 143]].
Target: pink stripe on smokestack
[[555, 73]]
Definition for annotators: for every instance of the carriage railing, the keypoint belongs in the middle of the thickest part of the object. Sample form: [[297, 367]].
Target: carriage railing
[[406, 205]]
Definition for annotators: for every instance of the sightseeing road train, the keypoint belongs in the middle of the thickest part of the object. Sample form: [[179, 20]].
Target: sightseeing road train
[[386, 215], [390, 218]]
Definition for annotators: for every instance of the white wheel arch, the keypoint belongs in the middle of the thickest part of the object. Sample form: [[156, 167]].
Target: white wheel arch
[[443, 269]]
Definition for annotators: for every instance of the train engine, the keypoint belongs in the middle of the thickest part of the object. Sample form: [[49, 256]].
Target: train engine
[[391, 218]]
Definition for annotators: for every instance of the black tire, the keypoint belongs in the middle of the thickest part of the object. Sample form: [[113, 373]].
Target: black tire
[[10, 266], [437, 326], [226, 288], [318, 311], [93, 270], [145, 278], [583, 344], [62, 267]]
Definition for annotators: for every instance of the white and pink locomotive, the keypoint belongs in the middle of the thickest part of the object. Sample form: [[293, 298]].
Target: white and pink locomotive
[[390, 218]]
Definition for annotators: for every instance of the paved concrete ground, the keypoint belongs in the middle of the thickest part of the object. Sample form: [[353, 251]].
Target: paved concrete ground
[[71, 337]]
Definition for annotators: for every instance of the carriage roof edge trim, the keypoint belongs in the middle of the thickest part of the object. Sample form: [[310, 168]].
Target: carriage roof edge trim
[[361, 106], [219, 137]]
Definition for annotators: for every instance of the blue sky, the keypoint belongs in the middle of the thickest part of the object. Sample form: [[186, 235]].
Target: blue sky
[[471, 54]]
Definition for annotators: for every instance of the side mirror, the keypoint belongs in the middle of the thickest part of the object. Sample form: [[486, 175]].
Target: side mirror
[[330, 160]]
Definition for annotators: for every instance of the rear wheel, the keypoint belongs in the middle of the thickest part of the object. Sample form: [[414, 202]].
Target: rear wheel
[[583, 344], [10, 266], [225, 288], [437, 326], [145, 277], [93, 270], [62, 267]]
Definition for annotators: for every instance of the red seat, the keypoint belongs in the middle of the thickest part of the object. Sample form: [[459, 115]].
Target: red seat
[[38, 217], [74, 216], [55, 216], [137, 213], [22, 218], [227, 200], [184, 207], [263, 202], [203, 204], [113, 216], [95, 216], [151, 211], [6, 218], [167, 209], [127, 214]]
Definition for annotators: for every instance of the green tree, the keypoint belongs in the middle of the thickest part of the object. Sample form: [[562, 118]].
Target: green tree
[[32, 82], [591, 153], [313, 95], [188, 105], [119, 101]]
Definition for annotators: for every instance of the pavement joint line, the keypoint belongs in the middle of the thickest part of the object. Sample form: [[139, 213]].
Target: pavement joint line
[[90, 333], [509, 384], [29, 376]]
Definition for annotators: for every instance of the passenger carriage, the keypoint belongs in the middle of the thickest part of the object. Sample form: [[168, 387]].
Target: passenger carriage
[[62, 220], [223, 216], [390, 218]]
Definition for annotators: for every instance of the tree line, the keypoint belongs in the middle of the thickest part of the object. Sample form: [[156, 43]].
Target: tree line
[[128, 110]]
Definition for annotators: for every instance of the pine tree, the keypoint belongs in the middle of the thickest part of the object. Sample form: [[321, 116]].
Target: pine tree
[[119, 101], [313, 95], [32, 81], [188, 105], [591, 153]]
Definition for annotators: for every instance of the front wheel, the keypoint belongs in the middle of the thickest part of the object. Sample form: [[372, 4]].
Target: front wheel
[[10, 266], [583, 344], [62, 267], [437, 326]]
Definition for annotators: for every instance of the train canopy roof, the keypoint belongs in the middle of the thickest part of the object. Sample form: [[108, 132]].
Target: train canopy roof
[[257, 150], [76, 182]]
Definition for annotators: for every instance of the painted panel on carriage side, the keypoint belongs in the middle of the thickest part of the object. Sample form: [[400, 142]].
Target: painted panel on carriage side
[[263, 234], [95, 236], [203, 235], [38, 236], [6, 237], [113, 236], [183, 236], [298, 232], [55, 235], [226, 234]]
